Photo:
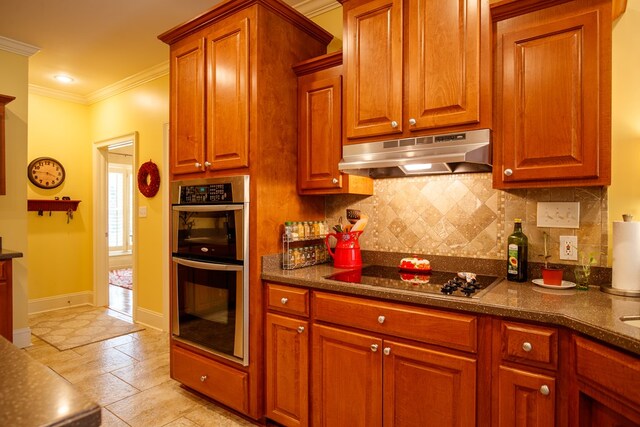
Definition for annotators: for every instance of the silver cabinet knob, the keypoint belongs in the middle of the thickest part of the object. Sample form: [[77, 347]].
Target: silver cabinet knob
[[544, 390], [300, 329], [284, 300], [527, 346], [334, 180], [374, 347], [508, 172], [198, 165], [412, 122], [207, 164], [381, 319], [387, 351], [204, 249], [203, 378], [394, 124]]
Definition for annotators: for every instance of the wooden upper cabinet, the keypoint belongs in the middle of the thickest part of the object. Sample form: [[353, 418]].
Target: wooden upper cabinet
[[320, 129], [414, 67], [553, 92], [443, 63], [210, 98], [187, 105], [228, 94], [374, 68]]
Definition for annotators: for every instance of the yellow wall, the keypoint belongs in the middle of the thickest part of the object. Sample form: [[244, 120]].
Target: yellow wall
[[332, 22], [624, 193], [14, 71], [144, 109], [61, 252]]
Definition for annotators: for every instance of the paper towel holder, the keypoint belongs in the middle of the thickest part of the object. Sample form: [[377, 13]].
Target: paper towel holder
[[608, 289]]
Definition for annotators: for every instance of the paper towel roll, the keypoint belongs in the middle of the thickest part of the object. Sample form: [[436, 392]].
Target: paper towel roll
[[626, 256]]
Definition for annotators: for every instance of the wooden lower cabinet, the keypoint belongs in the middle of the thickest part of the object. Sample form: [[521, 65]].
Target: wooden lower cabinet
[[525, 399], [605, 388], [6, 300], [362, 380], [216, 380], [287, 370]]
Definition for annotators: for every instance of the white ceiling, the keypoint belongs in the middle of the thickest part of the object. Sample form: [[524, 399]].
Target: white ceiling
[[101, 42]]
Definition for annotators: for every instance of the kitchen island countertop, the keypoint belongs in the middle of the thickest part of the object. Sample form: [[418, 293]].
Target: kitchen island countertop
[[33, 395], [593, 313]]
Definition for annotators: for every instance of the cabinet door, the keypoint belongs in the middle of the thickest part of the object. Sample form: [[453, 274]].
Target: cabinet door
[[373, 68], [444, 63], [427, 388], [228, 94], [187, 105], [553, 119], [347, 378], [287, 370], [6, 300], [320, 132], [525, 398]]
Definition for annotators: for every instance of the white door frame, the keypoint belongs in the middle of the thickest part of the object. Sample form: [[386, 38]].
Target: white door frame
[[100, 221], [165, 228]]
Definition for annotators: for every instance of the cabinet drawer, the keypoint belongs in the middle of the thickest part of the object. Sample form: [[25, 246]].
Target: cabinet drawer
[[288, 300], [612, 370], [529, 344], [452, 330], [218, 381]]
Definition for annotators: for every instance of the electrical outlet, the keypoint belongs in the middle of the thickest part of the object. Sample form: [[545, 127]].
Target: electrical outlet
[[569, 248], [558, 214]]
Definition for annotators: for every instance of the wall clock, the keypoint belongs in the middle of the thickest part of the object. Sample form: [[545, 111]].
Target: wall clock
[[45, 172]]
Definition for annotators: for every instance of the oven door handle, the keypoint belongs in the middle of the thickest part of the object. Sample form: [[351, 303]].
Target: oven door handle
[[207, 265], [206, 208]]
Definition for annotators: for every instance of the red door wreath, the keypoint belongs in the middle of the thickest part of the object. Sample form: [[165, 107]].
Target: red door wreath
[[148, 179]]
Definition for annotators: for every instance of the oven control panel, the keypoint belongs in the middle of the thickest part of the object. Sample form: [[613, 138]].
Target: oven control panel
[[207, 193]]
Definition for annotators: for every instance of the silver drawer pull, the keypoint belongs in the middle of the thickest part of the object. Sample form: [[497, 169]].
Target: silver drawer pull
[[203, 378], [544, 390], [204, 250], [284, 300], [374, 347], [527, 347], [381, 319], [300, 329], [387, 351]]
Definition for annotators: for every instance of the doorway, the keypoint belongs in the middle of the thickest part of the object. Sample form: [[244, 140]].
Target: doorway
[[114, 224], [120, 225]]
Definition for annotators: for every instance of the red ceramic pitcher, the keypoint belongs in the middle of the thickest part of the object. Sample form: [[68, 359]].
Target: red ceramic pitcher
[[347, 251]]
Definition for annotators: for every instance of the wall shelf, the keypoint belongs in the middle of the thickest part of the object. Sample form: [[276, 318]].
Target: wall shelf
[[42, 205]]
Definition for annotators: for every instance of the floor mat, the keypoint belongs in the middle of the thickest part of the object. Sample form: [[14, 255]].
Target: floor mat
[[77, 326], [122, 277]]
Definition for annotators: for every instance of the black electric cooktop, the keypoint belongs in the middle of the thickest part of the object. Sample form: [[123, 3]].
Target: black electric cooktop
[[435, 282]]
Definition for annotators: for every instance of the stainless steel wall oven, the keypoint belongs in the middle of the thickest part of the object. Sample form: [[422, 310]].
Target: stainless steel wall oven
[[210, 239]]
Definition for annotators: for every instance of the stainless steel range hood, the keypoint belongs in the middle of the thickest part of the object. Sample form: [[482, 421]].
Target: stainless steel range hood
[[460, 152]]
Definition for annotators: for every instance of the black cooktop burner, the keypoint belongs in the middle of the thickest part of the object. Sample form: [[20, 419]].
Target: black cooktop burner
[[438, 282]]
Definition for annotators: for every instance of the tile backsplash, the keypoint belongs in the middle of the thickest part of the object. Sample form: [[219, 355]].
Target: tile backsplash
[[462, 215]]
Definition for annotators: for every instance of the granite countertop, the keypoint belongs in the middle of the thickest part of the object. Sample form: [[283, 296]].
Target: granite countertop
[[591, 312], [9, 254], [33, 395]]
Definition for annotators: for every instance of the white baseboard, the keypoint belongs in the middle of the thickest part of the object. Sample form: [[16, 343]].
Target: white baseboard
[[39, 305], [150, 318], [22, 337]]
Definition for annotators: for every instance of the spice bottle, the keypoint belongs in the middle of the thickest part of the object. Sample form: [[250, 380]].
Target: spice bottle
[[517, 248]]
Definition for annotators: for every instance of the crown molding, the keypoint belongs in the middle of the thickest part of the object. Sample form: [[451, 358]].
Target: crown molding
[[58, 94], [311, 8], [128, 83], [15, 46]]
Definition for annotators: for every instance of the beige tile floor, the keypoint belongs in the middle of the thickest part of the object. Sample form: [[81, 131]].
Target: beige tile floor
[[129, 377]]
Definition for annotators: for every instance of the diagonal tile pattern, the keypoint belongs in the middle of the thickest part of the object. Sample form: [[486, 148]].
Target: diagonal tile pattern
[[129, 377]]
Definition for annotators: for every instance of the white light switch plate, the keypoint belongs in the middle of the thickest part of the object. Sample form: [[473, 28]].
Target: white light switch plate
[[142, 212], [558, 214]]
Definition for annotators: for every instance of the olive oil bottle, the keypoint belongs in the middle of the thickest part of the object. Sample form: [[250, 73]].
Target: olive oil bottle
[[517, 248]]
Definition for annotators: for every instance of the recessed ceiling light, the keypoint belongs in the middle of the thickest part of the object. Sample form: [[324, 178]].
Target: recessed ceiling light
[[63, 78]]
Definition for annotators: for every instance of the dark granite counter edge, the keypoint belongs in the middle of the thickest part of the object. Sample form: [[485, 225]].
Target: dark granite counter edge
[[9, 254], [467, 305]]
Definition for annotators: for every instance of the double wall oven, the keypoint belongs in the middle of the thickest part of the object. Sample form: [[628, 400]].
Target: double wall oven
[[210, 289]]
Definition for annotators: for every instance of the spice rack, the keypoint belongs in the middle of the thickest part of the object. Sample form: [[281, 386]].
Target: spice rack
[[303, 244]]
